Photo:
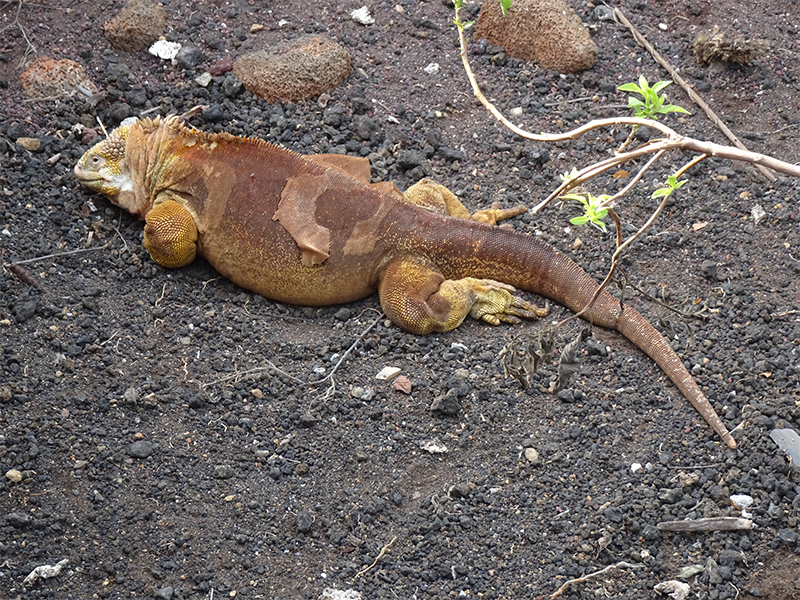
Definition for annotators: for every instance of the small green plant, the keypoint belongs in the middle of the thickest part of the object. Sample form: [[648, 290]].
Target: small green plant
[[459, 23], [653, 104], [504, 6], [567, 175], [593, 212], [672, 185]]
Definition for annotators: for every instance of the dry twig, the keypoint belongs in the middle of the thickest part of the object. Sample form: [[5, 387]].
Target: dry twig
[[30, 48], [377, 558], [709, 524], [619, 565]]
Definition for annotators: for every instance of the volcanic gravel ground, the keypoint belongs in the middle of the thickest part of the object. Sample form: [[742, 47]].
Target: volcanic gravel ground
[[164, 445]]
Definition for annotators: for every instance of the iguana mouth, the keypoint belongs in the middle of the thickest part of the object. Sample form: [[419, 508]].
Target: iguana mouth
[[83, 176]]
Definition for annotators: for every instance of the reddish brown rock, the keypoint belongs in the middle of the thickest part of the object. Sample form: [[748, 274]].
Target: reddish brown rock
[[545, 31], [297, 70], [138, 24], [48, 78]]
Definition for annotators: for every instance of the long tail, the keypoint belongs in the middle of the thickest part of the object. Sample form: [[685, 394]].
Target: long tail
[[530, 264]]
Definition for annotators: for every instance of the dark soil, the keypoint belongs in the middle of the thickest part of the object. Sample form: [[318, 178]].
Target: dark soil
[[163, 455]]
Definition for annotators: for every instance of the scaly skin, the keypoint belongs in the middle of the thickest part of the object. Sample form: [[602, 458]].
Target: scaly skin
[[310, 231]]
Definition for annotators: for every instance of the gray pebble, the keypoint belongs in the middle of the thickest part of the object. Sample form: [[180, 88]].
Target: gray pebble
[[788, 536], [670, 495], [189, 56], [447, 404], [304, 521], [223, 472], [18, 520], [165, 593], [25, 309], [141, 449]]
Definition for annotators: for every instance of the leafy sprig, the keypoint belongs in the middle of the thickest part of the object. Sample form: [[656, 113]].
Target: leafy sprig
[[593, 212], [671, 185], [652, 104]]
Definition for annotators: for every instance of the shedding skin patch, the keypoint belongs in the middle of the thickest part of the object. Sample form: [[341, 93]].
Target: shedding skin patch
[[356, 167], [297, 214], [363, 238]]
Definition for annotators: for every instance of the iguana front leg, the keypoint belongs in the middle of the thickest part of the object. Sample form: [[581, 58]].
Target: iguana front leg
[[417, 297], [170, 234], [434, 196]]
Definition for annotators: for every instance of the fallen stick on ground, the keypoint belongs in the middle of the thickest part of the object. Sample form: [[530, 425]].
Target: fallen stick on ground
[[377, 558], [619, 565], [709, 524]]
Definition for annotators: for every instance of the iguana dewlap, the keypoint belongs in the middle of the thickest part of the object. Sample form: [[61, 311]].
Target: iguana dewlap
[[310, 231]]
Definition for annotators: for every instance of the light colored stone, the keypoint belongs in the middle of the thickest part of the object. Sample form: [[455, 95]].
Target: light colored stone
[[14, 475], [548, 32], [30, 144], [387, 373]]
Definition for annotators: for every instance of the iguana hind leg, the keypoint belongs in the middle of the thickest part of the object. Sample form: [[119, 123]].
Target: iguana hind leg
[[170, 234], [434, 196], [417, 297]]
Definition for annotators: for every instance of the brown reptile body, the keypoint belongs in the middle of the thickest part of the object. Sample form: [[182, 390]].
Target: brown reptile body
[[297, 231]]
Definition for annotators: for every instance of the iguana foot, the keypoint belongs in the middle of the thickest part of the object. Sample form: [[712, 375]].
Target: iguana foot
[[494, 214], [417, 297], [495, 302], [170, 234], [437, 198]]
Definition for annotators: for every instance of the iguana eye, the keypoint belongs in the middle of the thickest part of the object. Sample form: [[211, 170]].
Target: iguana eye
[[96, 160]]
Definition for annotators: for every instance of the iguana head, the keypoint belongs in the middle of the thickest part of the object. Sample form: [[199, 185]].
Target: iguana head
[[104, 169]]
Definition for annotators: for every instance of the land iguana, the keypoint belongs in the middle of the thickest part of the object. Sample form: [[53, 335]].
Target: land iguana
[[310, 230]]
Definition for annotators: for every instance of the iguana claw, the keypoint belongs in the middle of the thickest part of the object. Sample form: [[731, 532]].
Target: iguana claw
[[495, 303]]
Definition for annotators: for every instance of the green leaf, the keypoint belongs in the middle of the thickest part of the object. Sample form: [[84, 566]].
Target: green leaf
[[657, 87], [504, 6], [661, 192], [674, 108], [582, 220], [629, 87], [578, 197]]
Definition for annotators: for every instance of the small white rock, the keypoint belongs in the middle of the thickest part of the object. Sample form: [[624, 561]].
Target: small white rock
[[757, 213], [433, 446], [741, 501], [203, 79], [362, 16], [432, 69], [636, 467], [531, 454], [14, 475], [45, 572], [677, 590], [663, 26], [387, 373], [516, 111], [334, 594], [165, 50]]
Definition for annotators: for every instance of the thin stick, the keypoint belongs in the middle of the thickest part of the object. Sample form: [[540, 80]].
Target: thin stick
[[57, 254], [709, 524], [687, 88], [270, 365], [377, 558], [341, 360], [619, 565]]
